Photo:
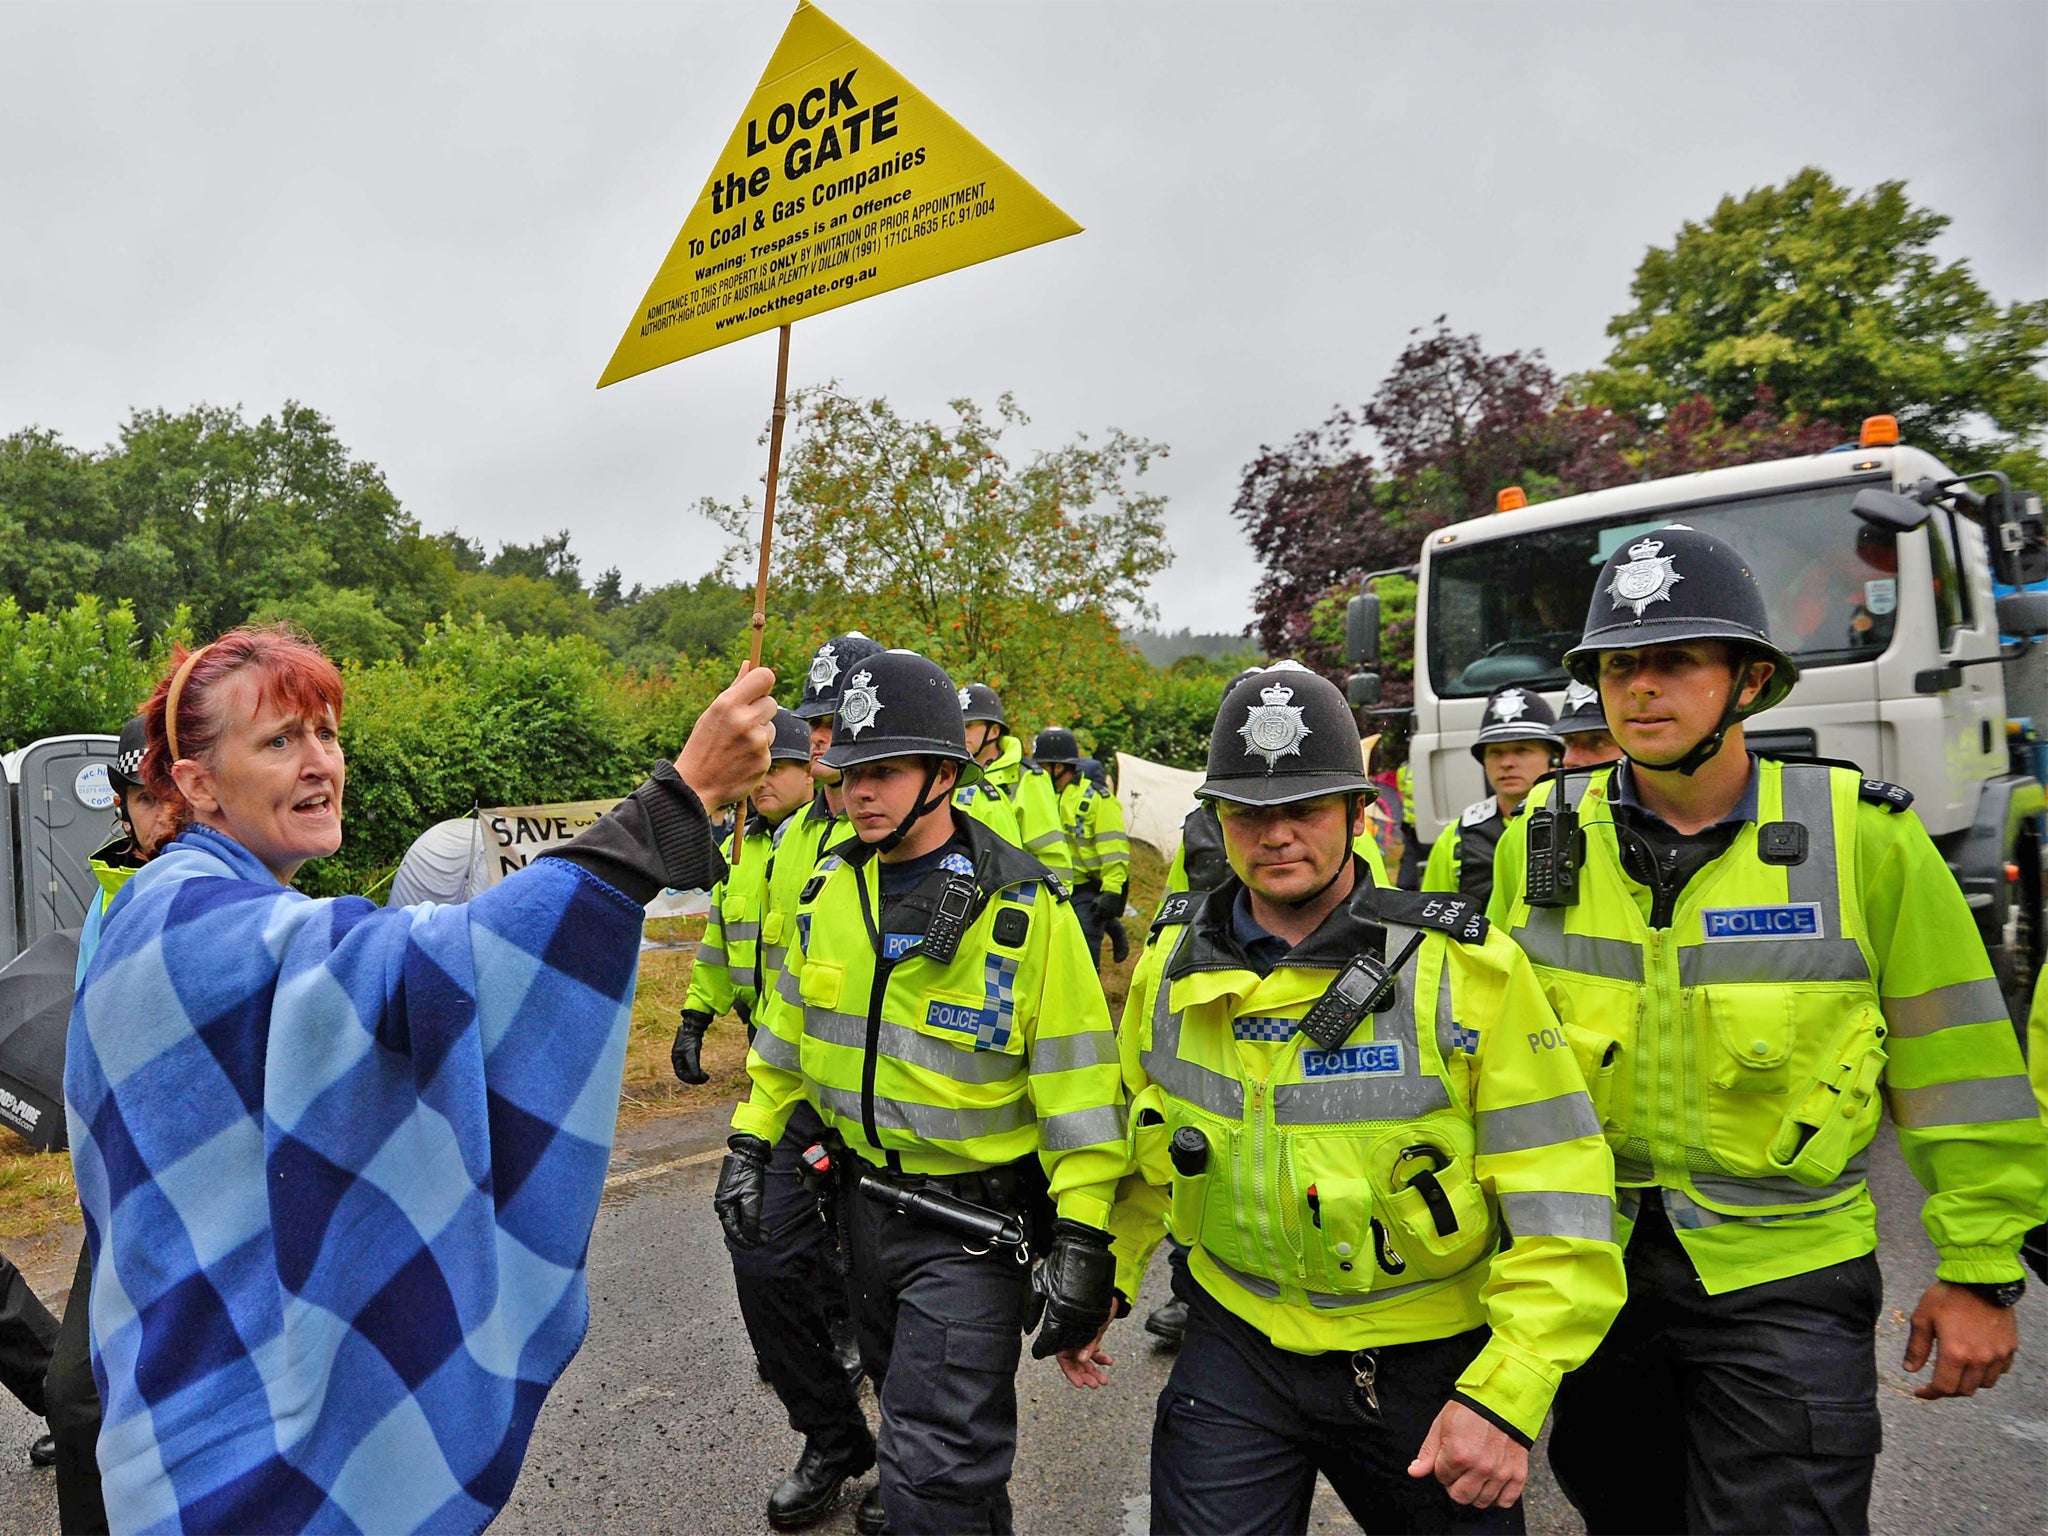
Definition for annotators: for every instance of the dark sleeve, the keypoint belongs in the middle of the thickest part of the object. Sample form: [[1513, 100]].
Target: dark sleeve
[[657, 837]]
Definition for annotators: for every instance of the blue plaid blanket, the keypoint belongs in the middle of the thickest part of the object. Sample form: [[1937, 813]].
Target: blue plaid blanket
[[339, 1168]]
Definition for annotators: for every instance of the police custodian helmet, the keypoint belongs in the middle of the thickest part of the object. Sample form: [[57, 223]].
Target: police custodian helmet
[[1284, 734], [126, 768], [792, 738], [1582, 710], [1056, 746], [898, 704], [829, 668], [978, 701], [1515, 713], [1677, 584]]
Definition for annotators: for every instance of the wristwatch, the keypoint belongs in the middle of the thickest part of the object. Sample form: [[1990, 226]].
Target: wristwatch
[[2006, 1293]]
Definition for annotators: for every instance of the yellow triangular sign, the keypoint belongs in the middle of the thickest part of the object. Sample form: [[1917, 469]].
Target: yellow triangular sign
[[841, 181]]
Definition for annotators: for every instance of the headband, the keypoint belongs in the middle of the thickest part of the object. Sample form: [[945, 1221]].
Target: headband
[[177, 691]]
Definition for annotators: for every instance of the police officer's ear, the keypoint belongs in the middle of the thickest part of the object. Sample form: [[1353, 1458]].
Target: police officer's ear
[[1357, 804], [945, 778], [1756, 672]]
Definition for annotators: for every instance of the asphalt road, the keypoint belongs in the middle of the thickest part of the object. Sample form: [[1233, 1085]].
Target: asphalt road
[[661, 1426]]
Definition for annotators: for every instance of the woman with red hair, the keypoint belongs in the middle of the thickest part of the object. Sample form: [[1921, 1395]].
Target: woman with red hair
[[339, 1164]]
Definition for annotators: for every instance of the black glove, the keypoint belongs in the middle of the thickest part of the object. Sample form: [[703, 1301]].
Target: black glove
[[1074, 1290], [1119, 943], [686, 1055], [1109, 905], [2034, 1249], [742, 1184]]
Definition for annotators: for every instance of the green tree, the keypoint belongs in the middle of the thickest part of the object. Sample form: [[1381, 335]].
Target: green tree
[[924, 534], [76, 669], [346, 622], [1837, 305]]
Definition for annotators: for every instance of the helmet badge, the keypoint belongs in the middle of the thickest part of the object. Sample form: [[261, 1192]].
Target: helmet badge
[[1274, 729], [1511, 705], [824, 668], [1647, 577], [858, 706], [1577, 695], [966, 701]]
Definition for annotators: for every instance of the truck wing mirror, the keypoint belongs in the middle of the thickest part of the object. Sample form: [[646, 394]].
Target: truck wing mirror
[[1886, 509], [2024, 614], [1363, 689], [1362, 630]]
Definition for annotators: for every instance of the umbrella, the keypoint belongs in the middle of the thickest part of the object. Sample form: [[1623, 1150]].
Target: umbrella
[[35, 1013]]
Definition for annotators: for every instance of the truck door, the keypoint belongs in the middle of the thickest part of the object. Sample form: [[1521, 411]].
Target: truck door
[[64, 813], [1973, 715]]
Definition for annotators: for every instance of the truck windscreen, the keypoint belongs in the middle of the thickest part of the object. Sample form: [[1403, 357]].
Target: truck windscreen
[[1506, 610]]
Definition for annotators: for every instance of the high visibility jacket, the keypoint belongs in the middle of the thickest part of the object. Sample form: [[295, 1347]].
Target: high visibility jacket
[[1005, 1052], [1359, 1197], [992, 808], [727, 969], [2037, 1043], [1097, 844], [794, 853], [1039, 820], [1461, 859], [1739, 1057], [110, 876], [1201, 846]]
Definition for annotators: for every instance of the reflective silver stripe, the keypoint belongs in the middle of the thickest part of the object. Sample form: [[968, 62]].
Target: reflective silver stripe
[[1556, 1213], [1068, 1053], [1567, 1117], [1771, 1189], [1259, 1285], [746, 976], [1335, 1101], [742, 931], [1806, 796], [1771, 960], [928, 1122], [774, 956], [1082, 1128], [1965, 1002], [1973, 1101], [708, 955], [776, 1051], [1198, 1085], [1047, 840], [791, 989], [1544, 940], [907, 1045], [1112, 837]]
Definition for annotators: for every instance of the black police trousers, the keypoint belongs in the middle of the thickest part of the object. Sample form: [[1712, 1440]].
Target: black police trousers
[[72, 1400], [1755, 1410], [789, 1287], [941, 1333], [27, 1335], [1243, 1427]]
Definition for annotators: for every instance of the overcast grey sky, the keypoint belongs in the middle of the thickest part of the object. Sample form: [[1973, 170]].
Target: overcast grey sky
[[433, 222]]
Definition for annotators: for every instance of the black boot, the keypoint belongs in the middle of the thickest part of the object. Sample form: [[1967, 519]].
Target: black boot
[[687, 1052], [1169, 1322], [803, 1497], [868, 1519], [43, 1453], [845, 1347]]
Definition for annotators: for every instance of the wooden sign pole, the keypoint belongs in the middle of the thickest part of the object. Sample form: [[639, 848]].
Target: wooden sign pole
[[760, 622]]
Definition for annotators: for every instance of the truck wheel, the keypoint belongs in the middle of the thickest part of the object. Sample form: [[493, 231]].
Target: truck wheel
[[2016, 954]]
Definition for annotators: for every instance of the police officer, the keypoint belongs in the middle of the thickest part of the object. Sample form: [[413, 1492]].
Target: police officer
[[789, 1277], [1038, 806], [1752, 958], [937, 1010], [1001, 756], [984, 800], [1098, 848], [1517, 744], [1583, 725], [726, 974], [1347, 1165]]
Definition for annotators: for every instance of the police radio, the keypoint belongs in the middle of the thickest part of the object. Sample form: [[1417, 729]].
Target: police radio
[[948, 926], [1365, 986], [1556, 850]]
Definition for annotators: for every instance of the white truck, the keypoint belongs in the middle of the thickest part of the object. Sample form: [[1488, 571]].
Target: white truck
[[1892, 583]]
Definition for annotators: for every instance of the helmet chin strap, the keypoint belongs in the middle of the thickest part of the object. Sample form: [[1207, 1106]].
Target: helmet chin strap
[[1707, 747], [924, 807], [1350, 816]]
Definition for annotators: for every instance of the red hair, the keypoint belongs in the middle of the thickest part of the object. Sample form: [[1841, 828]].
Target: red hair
[[291, 671]]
